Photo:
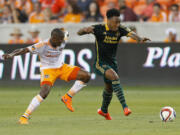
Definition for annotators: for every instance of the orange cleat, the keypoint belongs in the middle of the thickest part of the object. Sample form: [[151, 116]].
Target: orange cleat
[[127, 111], [105, 115], [23, 120], [67, 100]]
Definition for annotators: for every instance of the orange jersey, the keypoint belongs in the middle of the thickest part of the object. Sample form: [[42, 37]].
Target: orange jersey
[[36, 18], [168, 41], [162, 17], [74, 18], [19, 41]]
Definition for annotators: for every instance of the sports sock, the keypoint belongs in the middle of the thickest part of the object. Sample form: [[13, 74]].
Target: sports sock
[[119, 92], [33, 105], [78, 85], [106, 101]]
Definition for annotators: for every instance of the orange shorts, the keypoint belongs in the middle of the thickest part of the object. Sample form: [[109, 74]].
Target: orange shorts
[[65, 72]]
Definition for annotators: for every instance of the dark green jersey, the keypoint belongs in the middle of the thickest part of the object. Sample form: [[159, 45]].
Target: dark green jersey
[[107, 42]]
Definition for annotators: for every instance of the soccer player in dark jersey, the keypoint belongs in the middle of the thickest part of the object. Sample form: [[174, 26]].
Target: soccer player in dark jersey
[[107, 38]]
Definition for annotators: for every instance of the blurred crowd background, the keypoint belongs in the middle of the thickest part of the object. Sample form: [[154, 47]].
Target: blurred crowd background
[[76, 11]]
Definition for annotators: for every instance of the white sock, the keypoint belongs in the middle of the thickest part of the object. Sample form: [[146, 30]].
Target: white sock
[[78, 85], [36, 101], [1, 57]]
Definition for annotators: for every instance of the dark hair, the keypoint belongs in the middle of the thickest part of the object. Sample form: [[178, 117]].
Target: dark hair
[[57, 32], [157, 4], [122, 8], [112, 12], [175, 5], [22, 16]]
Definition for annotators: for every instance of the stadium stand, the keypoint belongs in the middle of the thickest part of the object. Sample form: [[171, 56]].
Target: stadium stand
[[80, 11], [134, 10]]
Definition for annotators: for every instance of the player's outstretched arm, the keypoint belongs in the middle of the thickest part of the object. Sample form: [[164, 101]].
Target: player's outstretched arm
[[138, 38], [86, 30], [15, 53]]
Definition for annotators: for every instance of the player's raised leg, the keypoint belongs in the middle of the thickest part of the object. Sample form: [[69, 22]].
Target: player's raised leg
[[107, 96], [82, 78], [112, 75]]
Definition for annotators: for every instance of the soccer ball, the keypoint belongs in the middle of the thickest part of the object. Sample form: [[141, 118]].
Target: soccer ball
[[167, 114]]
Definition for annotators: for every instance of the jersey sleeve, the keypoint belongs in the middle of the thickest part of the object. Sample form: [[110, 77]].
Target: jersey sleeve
[[96, 29], [36, 48], [124, 30]]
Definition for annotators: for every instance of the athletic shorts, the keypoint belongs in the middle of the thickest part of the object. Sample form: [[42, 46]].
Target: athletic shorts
[[101, 67], [65, 72]]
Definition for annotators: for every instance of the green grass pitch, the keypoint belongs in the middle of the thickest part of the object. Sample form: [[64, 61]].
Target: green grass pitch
[[52, 118]]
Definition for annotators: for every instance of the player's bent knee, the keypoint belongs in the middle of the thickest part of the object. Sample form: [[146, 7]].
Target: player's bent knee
[[111, 75], [45, 89], [86, 77]]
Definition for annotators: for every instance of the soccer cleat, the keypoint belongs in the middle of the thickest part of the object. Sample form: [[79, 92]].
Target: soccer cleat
[[105, 115], [127, 111], [67, 100], [23, 120]]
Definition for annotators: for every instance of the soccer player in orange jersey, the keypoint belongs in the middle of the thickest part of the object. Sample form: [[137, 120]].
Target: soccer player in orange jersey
[[52, 68]]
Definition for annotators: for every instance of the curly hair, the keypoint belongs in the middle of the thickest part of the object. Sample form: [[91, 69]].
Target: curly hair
[[112, 12]]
